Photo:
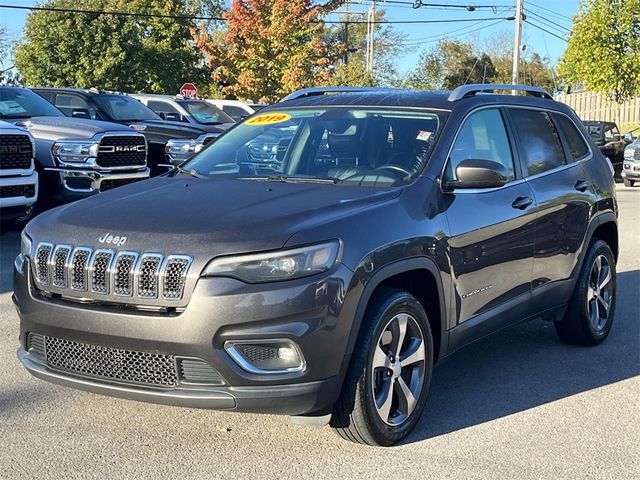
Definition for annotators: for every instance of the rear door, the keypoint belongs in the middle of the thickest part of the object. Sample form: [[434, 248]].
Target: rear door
[[553, 152], [491, 232]]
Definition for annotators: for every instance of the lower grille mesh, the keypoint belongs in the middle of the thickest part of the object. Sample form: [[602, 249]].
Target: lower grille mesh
[[112, 363]]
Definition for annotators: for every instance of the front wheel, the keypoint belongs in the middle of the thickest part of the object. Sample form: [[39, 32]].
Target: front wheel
[[629, 183], [592, 307], [387, 384]]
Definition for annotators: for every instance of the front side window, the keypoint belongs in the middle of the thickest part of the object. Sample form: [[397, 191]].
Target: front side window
[[121, 108], [483, 137], [575, 142], [611, 132], [205, 113], [340, 145], [74, 106], [539, 140]]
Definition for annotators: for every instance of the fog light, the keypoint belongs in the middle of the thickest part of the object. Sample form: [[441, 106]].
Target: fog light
[[266, 356]]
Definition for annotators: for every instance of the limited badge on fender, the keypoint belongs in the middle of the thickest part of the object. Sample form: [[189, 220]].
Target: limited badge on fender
[[268, 119]]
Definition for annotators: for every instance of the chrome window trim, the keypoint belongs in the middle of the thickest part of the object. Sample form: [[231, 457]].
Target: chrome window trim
[[456, 191]]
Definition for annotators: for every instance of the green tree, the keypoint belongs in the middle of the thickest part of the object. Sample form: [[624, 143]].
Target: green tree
[[603, 52], [269, 48], [352, 71], [116, 52], [449, 64]]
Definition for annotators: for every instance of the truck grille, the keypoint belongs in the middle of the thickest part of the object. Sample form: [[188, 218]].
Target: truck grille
[[16, 151], [122, 151], [11, 191], [110, 274]]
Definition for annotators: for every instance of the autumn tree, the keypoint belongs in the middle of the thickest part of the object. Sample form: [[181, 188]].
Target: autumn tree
[[603, 52], [117, 52], [269, 48]]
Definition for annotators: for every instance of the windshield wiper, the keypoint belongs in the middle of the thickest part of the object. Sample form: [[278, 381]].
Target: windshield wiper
[[193, 172], [287, 179]]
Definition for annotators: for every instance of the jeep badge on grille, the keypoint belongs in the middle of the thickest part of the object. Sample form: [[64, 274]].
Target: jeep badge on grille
[[113, 239]]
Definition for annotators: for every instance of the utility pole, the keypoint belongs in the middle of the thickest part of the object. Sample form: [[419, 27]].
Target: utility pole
[[371, 32], [517, 41]]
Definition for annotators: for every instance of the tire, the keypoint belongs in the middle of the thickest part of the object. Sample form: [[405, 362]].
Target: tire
[[628, 183], [356, 417], [587, 320]]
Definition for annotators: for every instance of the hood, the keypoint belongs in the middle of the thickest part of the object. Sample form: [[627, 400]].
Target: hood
[[7, 128], [54, 128], [160, 131], [203, 217]]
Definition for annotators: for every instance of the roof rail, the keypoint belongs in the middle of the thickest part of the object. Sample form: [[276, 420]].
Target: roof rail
[[464, 91], [313, 91]]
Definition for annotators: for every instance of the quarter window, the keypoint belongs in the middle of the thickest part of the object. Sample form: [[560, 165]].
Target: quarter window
[[483, 137], [539, 139], [575, 142]]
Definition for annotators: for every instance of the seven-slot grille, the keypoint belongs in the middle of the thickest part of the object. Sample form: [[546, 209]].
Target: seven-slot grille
[[106, 273], [16, 151], [122, 151]]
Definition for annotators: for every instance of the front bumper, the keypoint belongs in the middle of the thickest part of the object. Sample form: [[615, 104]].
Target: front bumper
[[72, 184], [18, 181], [312, 312], [631, 170]]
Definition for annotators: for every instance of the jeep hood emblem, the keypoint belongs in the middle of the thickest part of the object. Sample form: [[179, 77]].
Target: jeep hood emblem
[[118, 240]]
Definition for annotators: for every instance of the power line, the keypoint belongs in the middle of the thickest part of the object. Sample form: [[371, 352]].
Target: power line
[[550, 11], [195, 17], [529, 22], [540, 18], [433, 38]]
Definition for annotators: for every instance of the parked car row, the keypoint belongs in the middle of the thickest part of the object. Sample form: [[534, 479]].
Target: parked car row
[[73, 143]]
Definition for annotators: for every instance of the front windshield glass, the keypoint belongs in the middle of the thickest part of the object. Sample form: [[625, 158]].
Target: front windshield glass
[[121, 108], [361, 146], [205, 113], [23, 103]]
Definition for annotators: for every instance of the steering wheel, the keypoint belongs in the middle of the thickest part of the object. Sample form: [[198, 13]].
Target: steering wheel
[[396, 168]]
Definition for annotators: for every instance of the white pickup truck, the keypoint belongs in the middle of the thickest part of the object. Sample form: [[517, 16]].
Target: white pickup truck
[[18, 178]]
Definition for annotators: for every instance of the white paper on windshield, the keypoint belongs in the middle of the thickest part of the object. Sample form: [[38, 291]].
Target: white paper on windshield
[[11, 107]]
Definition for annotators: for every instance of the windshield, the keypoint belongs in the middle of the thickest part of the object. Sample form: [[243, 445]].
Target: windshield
[[362, 146], [121, 108], [205, 113], [595, 130], [23, 103]]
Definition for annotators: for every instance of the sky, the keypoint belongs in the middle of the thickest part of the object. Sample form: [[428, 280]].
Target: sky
[[551, 15]]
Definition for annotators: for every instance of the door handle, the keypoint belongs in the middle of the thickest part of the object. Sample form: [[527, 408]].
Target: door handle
[[581, 185], [522, 202]]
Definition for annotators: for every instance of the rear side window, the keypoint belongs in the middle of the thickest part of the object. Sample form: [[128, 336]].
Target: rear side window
[[575, 142], [483, 137], [539, 140]]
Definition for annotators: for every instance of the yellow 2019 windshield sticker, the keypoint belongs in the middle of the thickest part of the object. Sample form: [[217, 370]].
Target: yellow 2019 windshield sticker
[[268, 119]]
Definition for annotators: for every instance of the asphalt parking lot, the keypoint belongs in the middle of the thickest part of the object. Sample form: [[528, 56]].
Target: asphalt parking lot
[[517, 405]]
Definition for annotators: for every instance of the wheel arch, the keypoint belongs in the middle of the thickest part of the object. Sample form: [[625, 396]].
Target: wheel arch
[[402, 274]]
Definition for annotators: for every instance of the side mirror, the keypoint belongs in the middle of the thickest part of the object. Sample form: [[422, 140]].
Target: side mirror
[[628, 137], [476, 173], [80, 113]]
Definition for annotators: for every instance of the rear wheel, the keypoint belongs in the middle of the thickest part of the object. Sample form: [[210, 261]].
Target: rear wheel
[[388, 380], [592, 307]]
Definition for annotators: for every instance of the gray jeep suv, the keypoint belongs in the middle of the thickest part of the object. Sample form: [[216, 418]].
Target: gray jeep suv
[[389, 229]]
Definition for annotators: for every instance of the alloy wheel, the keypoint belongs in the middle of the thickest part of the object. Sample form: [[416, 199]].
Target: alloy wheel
[[599, 293], [397, 369]]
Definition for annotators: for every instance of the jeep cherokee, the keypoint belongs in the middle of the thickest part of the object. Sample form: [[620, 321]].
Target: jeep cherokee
[[395, 228]]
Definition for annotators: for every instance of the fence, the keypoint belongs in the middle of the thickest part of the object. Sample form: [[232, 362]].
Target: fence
[[593, 106]]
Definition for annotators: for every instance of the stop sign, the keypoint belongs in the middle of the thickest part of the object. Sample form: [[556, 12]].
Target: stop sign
[[189, 90]]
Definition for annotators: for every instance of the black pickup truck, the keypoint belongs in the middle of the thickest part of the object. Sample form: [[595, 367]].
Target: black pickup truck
[[606, 136], [121, 108]]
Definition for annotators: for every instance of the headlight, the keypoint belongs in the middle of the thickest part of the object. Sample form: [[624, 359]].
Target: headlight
[[25, 244], [181, 150], [78, 152], [274, 266]]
